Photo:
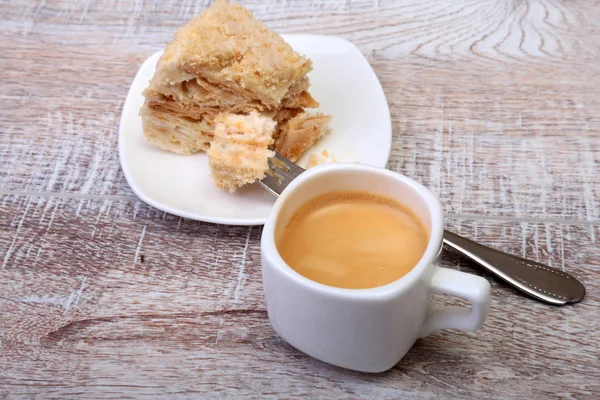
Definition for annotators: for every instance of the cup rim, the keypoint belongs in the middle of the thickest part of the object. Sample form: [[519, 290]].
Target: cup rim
[[270, 252]]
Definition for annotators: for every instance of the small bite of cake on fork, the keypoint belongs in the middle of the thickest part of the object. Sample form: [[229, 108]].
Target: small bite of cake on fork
[[239, 153]]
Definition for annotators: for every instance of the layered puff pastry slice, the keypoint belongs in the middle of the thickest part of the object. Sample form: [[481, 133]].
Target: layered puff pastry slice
[[223, 62]]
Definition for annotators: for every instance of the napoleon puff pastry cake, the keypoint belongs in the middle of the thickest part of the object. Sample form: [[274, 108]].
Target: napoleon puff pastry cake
[[229, 86]]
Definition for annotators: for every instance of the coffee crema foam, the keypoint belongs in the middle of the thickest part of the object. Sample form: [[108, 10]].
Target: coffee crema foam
[[353, 239]]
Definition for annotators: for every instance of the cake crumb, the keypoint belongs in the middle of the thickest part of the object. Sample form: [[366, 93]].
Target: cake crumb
[[320, 158]]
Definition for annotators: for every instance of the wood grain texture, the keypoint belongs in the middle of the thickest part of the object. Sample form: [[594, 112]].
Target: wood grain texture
[[189, 319], [494, 107]]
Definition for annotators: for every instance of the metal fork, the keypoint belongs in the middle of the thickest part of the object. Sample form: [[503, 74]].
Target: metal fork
[[535, 279], [282, 172]]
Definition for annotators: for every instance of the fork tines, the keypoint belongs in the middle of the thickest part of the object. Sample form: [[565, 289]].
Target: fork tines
[[281, 172]]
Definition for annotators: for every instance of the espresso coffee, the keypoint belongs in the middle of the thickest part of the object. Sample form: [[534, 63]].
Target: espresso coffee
[[352, 239]]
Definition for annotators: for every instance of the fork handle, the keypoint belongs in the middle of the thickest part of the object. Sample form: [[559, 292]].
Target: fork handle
[[533, 278]]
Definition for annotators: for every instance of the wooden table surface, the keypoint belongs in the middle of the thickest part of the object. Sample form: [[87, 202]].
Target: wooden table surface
[[495, 107]]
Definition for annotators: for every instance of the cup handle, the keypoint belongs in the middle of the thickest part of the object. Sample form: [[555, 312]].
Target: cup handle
[[466, 286]]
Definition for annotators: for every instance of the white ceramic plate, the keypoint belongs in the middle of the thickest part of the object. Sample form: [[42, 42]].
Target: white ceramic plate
[[342, 81]]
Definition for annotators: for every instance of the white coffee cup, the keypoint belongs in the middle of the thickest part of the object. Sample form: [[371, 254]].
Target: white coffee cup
[[365, 329]]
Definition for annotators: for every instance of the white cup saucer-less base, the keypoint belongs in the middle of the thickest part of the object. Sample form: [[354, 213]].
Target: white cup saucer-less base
[[344, 84]]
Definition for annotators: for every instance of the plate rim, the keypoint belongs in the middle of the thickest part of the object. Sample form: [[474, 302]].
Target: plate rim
[[230, 220]]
